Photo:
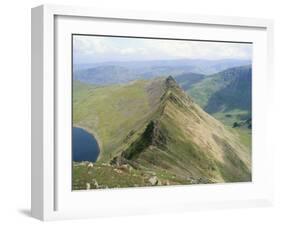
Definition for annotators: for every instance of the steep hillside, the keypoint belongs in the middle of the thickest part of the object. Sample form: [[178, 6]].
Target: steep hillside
[[154, 129], [236, 92], [186, 81], [226, 94]]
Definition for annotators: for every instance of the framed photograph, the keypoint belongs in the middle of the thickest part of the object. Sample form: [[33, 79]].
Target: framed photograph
[[136, 113]]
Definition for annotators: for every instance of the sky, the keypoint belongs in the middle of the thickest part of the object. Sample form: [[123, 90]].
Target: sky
[[97, 49]]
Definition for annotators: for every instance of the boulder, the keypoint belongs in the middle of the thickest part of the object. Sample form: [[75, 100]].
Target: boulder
[[167, 182], [90, 165], [125, 167], [118, 171], [105, 164], [88, 186], [95, 183], [153, 180]]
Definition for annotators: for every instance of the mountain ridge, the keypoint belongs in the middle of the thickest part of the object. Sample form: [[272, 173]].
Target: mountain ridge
[[161, 143]]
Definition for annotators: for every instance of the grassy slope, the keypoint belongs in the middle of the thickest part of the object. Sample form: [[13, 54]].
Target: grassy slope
[[108, 176], [113, 113], [202, 91]]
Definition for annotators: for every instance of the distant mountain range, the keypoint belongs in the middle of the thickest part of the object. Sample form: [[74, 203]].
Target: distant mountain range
[[122, 72]]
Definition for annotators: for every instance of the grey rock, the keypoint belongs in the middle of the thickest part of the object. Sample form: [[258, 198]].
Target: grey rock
[[153, 180]]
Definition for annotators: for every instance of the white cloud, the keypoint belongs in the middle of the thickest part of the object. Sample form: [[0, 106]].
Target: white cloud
[[199, 49], [92, 48]]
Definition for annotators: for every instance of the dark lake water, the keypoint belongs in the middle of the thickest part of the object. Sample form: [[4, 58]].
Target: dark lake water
[[84, 146]]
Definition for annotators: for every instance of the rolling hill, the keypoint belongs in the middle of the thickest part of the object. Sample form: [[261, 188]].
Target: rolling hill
[[121, 72], [110, 74], [153, 130]]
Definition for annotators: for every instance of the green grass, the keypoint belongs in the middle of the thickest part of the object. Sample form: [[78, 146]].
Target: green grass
[[229, 117], [245, 137], [245, 134], [113, 177], [202, 91], [111, 113], [106, 176]]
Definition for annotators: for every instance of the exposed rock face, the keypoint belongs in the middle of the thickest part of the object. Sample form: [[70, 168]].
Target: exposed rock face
[[171, 82], [118, 161], [174, 92], [152, 136]]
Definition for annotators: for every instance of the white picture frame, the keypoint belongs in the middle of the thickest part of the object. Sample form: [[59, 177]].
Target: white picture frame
[[48, 186]]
